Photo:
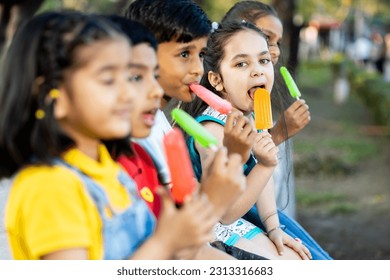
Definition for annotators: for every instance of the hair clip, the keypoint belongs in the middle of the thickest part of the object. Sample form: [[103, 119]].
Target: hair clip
[[214, 26], [39, 114], [54, 93]]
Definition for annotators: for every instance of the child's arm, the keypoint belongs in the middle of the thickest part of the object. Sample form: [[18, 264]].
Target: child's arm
[[267, 209], [223, 180], [239, 135], [266, 153], [178, 229], [257, 178], [70, 254], [297, 116]]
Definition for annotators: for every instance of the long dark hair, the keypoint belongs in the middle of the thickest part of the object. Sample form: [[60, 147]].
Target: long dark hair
[[41, 52]]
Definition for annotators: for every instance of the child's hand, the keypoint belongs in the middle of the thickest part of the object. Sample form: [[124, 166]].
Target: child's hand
[[280, 238], [188, 227], [223, 181], [265, 149], [297, 116], [239, 135]]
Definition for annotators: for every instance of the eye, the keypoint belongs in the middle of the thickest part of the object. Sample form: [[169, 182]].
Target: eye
[[241, 64], [202, 54], [264, 61], [135, 78], [108, 82], [185, 54]]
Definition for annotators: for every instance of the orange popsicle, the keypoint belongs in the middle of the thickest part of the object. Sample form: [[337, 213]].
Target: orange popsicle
[[182, 174], [262, 108], [217, 103]]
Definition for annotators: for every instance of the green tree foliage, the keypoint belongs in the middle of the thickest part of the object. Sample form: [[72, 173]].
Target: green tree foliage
[[90, 6]]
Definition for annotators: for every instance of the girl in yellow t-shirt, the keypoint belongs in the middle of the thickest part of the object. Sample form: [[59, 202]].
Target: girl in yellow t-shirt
[[66, 92]]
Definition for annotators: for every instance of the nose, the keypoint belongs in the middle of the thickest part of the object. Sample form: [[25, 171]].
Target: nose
[[157, 92], [197, 66], [275, 53], [257, 70], [126, 93]]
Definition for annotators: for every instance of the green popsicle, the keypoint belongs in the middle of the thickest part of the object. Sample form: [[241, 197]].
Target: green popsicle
[[291, 85], [195, 129]]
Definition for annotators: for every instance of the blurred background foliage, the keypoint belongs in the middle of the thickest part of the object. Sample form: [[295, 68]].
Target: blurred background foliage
[[304, 9]]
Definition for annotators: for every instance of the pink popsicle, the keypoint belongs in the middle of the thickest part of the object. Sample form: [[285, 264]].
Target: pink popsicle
[[182, 174], [221, 105]]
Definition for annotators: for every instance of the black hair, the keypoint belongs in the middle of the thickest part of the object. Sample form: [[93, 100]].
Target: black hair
[[214, 55], [40, 53], [180, 20], [249, 11], [135, 31]]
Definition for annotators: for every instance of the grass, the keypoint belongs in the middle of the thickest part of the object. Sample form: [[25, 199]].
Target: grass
[[333, 202], [314, 75], [306, 198], [346, 208], [341, 138], [353, 150]]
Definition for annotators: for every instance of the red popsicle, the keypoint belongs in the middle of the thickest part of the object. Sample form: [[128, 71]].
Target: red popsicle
[[182, 174], [221, 105]]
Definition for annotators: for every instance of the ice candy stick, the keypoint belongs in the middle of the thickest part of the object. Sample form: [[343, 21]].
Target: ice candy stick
[[291, 85], [262, 108], [195, 129], [217, 103], [182, 174]]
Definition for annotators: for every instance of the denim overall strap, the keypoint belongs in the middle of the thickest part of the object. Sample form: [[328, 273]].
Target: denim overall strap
[[122, 232]]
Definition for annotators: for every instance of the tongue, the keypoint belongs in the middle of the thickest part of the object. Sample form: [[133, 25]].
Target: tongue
[[149, 119], [251, 93]]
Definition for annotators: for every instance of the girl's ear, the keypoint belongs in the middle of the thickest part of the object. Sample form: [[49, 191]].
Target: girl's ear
[[215, 80], [62, 104]]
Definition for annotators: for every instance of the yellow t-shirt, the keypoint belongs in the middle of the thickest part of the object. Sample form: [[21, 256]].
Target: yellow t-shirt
[[49, 208]]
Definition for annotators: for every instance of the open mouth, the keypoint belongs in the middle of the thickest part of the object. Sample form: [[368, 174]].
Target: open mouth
[[149, 116], [251, 91]]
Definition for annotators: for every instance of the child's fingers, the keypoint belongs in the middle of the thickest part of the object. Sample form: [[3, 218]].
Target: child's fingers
[[279, 247], [240, 124], [298, 247], [234, 163], [297, 104], [168, 206], [220, 159], [231, 120], [248, 131]]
